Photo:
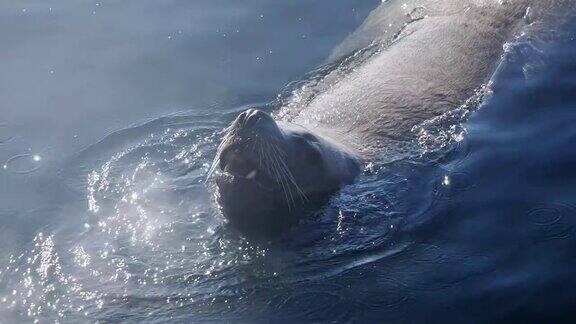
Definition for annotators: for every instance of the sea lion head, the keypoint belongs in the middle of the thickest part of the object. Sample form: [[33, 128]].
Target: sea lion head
[[268, 171]]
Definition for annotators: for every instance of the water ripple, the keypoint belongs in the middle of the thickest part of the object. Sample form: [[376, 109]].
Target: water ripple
[[23, 163]]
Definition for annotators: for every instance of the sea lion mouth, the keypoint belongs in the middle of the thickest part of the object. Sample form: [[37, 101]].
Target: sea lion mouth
[[237, 166]]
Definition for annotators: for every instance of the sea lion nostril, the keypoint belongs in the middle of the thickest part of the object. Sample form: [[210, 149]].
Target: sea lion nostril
[[242, 117]]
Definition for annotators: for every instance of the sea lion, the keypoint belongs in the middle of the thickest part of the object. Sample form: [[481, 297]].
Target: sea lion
[[434, 61], [270, 170]]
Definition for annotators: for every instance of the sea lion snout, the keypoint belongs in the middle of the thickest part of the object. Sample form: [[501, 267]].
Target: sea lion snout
[[242, 152], [255, 117], [254, 122]]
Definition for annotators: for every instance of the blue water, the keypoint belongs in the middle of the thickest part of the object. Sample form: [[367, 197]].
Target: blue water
[[112, 112]]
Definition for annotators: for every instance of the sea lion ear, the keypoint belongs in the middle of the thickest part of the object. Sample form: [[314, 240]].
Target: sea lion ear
[[309, 151], [313, 153]]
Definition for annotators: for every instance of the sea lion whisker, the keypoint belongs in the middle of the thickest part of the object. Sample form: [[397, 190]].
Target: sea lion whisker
[[279, 176], [280, 180], [275, 152], [290, 176], [225, 141], [283, 170], [258, 144]]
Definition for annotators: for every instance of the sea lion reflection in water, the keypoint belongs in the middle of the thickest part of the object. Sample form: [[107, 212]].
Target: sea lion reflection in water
[[268, 171]]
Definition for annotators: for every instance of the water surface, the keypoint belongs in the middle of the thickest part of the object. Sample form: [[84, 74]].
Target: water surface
[[112, 112]]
